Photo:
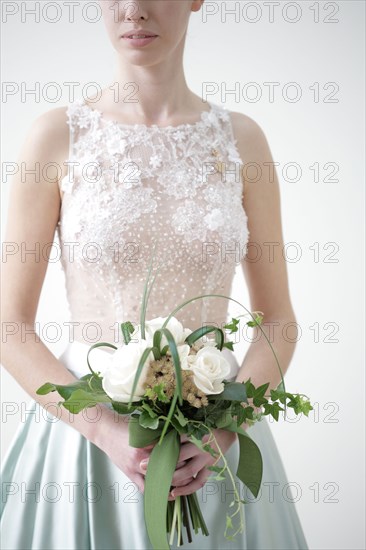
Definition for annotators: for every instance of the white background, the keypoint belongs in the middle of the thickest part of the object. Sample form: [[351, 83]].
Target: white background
[[323, 454]]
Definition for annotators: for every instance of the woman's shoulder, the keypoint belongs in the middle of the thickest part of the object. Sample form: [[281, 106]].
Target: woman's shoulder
[[50, 130], [245, 127], [251, 139], [52, 122]]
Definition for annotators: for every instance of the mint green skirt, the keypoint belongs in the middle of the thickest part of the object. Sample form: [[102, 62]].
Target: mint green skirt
[[61, 492]]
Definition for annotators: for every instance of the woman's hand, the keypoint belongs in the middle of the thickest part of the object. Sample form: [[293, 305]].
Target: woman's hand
[[193, 474], [114, 441]]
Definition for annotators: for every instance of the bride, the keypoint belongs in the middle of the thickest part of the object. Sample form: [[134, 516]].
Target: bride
[[183, 156]]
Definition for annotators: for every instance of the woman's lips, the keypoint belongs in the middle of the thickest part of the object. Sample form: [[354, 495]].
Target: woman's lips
[[139, 41]]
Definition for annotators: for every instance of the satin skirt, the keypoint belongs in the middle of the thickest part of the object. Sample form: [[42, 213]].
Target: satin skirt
[[61, 492]]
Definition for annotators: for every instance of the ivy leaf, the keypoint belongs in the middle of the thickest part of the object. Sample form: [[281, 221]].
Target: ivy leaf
[[228, 345], [214, 468], [258, 397], [250, 388], [257, 321], [229, 523], [306, 407], [233, 326], [158, 392], [218, 470], [207, 447], [275, 408], [233, 391], [180, 417]]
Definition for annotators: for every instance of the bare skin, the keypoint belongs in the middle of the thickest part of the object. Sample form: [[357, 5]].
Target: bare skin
[[164, 99]]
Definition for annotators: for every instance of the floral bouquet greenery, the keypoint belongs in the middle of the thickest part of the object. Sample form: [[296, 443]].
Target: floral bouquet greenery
[[171, 382]]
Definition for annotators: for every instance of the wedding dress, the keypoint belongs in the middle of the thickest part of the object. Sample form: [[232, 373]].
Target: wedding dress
[[133, 193]]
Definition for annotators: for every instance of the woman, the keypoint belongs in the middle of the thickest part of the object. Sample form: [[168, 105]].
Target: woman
[[150, 166]]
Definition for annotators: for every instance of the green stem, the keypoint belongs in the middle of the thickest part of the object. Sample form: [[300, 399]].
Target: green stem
[[193, 513], [179, 523], [200, 516], [186, 518], [173, 524]]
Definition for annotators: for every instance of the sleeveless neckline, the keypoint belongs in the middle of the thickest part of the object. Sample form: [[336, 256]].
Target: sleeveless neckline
[[204, 116]]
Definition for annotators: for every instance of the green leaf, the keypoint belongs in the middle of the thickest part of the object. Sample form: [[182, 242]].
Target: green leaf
[[81, 399], [250, 467], [157, 391], [256, 321], [196, 441], [229, 523], [233, 326], [164, 350], [147, 421], [228, 345], [139, 436], [158, 478], [214, 468], [127, 328], [207, 447], [306, 407], [122, 408], [67, 390], [147, 408], [46, 388], [180, 416], [224, 420], [233, 391]]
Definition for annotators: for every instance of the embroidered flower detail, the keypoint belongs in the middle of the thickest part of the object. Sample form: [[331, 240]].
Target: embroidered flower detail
[[155, 161], [187, 221], [214, 219], [179, 136], [116, 145], [232, 152]]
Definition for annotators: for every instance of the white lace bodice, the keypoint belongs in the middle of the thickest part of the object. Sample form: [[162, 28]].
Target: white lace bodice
[[130, 186]]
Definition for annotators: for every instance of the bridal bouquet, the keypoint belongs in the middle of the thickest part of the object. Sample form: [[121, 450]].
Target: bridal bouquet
[[171, 382]]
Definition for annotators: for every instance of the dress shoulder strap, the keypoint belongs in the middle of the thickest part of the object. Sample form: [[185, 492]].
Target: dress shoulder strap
[[225, 118], [73, 115]]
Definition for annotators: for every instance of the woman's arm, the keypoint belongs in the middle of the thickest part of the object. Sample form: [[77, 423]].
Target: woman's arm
[[266, 276], [33, 214], [268, 288]]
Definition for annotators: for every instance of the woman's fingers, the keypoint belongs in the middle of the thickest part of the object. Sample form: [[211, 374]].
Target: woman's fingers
[[189, 470], [183, 482], [144, 465], [188, 450], [191, 487], [140, 482]]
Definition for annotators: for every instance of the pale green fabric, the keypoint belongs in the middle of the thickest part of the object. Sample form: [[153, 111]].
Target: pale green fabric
[[84, 502]]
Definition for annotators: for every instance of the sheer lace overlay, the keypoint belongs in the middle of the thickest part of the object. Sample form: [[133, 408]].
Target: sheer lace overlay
[[134, 188]]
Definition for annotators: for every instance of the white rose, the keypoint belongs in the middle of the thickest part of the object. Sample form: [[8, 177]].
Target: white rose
[[120, 373], [209, 368], [183, 351], [174, 326]]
